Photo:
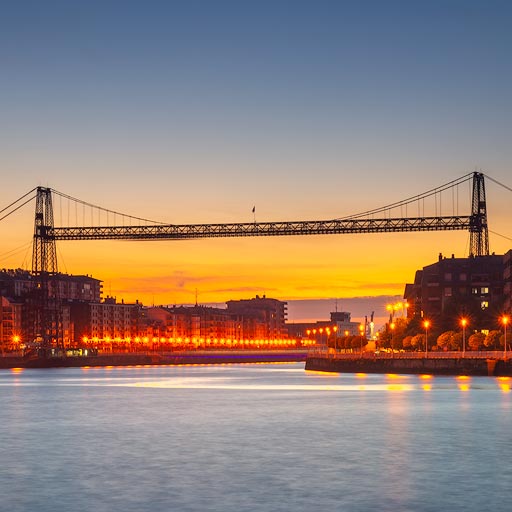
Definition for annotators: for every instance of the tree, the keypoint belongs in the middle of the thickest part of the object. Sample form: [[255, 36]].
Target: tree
[[456, 342], [492, 340], [358, 342], [406, 342], [418, 341], [476, 340], [445, 339]]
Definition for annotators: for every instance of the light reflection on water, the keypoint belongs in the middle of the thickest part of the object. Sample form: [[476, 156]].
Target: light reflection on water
[[252, 437]]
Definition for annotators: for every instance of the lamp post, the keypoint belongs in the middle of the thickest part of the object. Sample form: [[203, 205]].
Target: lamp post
[[361, 331], [335, 330], [392, 327], [504, 320], [426, 324], [327, 336], [464, 322]]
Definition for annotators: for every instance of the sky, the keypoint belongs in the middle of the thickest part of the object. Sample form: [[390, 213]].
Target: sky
[[198, 111]]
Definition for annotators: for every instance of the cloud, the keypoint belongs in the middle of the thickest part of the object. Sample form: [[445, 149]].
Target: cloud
[[247, 289]]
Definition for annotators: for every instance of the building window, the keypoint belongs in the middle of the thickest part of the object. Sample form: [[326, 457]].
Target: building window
[[484, 290], [448, 276], [448, 292], [474, 291], [484, 304], [463, 277]]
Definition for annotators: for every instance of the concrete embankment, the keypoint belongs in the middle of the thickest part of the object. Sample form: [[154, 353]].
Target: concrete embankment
[[432, 365], [174, 358]]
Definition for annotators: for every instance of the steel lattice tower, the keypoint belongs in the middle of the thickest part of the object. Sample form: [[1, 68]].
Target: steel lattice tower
[[44, 268], [478, 229]]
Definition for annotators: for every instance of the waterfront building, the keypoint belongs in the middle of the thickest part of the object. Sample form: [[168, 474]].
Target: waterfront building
[[190, 322], [452, 287], [78, 313], [262, 317], [340, 323], [105, 320], [10, 323], [345, 326], [507, 282], [18, 283]]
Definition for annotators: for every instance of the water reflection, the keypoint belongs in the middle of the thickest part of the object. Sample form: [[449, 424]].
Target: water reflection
[[252, 437]]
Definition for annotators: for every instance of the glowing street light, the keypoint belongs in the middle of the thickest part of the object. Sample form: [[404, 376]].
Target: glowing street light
[[321, 331], [464, 322], [361, 331], [504, 320], [335, 330], [426, 324], [392, 327]]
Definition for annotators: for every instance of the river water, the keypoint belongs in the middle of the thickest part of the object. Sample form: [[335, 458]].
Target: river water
[[267, 437]]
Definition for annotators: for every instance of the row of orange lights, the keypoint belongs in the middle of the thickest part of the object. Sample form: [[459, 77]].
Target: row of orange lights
[[321, 330], [392, 308], [328, 330], [174, 341], [464, 321]]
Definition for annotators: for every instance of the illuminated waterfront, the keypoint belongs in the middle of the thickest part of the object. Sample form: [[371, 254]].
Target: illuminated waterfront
[[252, 437]]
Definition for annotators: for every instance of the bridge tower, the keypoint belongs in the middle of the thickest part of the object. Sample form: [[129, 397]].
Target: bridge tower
[[478, 229], [46, 309]]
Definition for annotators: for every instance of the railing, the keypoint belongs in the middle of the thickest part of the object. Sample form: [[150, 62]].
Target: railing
[[469, 354]]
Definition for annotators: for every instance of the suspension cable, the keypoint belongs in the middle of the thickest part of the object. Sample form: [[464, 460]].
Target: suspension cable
[[498, 234], [90, 205], [16, 209], [413, 199], [17, 200], [498, 183]]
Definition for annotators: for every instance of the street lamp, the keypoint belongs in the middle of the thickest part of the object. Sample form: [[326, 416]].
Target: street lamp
[[389, 308], [464, 322], [335, 330], [504, 320], [426, 324], [392, 327]]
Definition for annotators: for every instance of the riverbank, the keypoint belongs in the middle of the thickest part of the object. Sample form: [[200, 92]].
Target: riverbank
[[170, 358], [455, 365]]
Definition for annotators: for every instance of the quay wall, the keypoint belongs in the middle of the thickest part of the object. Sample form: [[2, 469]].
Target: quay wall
[[431, 365], [172, 358]]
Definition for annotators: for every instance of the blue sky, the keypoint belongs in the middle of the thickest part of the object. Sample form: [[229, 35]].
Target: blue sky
[[196, 111]]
